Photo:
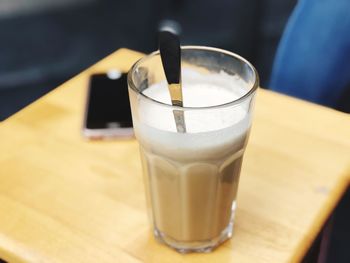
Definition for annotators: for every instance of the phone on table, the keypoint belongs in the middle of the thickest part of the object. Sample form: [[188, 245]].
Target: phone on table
[[107, 113]]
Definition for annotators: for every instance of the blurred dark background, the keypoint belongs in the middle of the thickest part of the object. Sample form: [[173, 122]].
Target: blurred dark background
[[45, 42]]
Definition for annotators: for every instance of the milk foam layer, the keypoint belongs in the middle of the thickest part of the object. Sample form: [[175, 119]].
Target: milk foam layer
[[199, 90]]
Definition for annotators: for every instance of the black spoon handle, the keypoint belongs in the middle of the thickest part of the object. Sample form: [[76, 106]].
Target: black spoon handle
[[170, 53]]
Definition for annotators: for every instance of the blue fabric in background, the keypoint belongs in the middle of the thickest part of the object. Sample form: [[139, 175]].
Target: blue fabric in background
[[313, 58]]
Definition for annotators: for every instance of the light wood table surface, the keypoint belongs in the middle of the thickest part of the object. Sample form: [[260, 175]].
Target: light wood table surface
[[65, 199]]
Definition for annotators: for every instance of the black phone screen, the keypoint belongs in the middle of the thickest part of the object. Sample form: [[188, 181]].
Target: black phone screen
[[108, 102]]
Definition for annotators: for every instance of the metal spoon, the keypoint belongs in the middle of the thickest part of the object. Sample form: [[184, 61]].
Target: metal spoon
[[170, 53]]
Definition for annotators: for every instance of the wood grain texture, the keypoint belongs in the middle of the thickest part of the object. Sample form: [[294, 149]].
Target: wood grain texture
[[65, 199]]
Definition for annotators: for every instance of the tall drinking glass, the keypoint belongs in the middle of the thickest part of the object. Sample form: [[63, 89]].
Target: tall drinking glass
[[191, 177]]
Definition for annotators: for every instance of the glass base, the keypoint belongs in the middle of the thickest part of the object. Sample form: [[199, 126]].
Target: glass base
[[196, 246]]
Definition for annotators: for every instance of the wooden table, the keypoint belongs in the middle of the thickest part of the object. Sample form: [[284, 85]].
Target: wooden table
[[65, 199]]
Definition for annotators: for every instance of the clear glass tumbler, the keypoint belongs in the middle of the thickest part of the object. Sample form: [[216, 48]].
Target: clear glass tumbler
[[191, 177]]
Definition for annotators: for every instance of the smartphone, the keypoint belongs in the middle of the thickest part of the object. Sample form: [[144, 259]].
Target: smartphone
[[107, 113]]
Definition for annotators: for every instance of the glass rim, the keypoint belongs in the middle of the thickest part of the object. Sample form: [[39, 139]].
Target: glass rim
[[204, 48]]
